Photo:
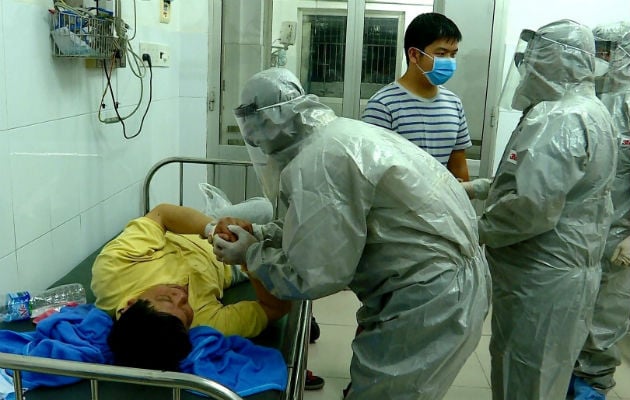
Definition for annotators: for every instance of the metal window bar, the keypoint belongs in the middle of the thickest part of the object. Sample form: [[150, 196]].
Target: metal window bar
[[327, 53], [98, 372], [379, 46]]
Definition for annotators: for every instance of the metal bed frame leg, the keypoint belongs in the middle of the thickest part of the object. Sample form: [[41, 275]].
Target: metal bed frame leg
[[17, 384], [94, 389]]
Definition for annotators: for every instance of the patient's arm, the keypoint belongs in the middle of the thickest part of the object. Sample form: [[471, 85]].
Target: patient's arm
[[273, 306], [179, 219]]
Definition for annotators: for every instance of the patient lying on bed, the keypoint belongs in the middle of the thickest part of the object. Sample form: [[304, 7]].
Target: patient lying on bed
[[159, 278]]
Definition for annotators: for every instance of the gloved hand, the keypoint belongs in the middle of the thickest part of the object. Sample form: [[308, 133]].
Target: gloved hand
[[621, 255], [233, 252], [478, 188]]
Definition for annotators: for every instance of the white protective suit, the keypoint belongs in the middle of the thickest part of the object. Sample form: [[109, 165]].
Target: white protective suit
[[368, 210], [600, 355], [546, 217]]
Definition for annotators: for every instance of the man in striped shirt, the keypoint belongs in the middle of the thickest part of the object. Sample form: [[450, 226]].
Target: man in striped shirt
[[416, 106]]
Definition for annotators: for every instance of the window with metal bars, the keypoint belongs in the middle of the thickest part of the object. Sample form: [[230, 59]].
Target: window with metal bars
[[323, 53]]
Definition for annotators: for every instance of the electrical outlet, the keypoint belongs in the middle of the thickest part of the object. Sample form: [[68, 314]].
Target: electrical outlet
[[160, 54]]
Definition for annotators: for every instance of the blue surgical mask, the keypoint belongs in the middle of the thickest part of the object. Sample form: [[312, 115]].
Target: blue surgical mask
[[443, 69]]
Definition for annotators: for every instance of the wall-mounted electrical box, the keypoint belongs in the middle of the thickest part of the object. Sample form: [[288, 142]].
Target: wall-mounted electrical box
[[287, 32], [165, 11], [160, 53]]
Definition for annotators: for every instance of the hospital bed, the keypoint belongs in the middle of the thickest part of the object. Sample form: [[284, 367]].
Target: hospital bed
[[289, 335]]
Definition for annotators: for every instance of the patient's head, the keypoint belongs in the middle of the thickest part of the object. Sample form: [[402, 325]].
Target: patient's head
[[144, 337], [170, 299]]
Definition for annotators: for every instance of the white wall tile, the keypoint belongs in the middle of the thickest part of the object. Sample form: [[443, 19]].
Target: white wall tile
[[194, 16], [9, 274], [68, 249], [37, 268], [92, 233], [163, 130], [41, 87], [104, 221], [7, 232], [121, 208], [193, 134], [44, 165], [193, 68]]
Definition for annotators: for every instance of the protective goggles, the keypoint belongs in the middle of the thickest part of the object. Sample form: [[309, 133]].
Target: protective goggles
[[245, 110], [527, 35]]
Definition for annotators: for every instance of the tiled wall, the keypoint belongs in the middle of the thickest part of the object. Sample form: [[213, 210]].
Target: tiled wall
[[67, 182]]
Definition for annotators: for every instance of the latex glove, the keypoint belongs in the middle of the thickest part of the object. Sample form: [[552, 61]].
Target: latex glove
[[478, 188], [621, 255], [233, 252]]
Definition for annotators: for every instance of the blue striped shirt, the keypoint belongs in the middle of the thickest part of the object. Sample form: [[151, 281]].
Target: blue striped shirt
[[436, 125]]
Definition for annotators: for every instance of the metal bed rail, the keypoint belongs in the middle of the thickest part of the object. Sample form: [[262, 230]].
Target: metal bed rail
[[97, 372], [188, 160]]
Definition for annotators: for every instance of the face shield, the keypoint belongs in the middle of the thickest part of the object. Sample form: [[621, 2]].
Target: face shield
[[544, 69], [262, 128], [618, 76], [516, 71], [603, 50]]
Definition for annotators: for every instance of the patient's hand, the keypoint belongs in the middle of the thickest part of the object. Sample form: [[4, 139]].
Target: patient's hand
[[224, 233]]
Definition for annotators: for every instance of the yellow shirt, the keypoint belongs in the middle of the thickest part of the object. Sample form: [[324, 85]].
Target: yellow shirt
[[144, 255]]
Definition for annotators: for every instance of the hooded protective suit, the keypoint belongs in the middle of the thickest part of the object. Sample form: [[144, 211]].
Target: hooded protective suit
[[368, 210], [600, 355], [546, 217]]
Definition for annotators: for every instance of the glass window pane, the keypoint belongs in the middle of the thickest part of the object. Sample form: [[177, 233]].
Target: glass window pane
[[380, 39], [326, 54]]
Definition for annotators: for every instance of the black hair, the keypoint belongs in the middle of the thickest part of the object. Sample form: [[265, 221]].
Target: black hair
[[427, 28], [145, 338]]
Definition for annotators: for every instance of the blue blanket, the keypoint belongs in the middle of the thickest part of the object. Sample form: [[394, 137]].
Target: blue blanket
[[80, 334]]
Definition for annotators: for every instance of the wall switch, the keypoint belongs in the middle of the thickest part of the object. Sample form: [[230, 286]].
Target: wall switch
[[160, 54]]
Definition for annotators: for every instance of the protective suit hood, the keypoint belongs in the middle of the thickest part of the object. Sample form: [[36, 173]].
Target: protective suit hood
[[559, 59], [276, 114], [619, 71]]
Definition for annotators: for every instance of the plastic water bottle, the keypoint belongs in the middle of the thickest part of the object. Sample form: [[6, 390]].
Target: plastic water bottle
[[24, 305]]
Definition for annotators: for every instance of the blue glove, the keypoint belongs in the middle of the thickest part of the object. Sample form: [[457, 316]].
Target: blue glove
[[233, 252]]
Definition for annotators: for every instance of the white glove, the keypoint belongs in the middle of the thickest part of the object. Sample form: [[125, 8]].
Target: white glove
[[478, 188], [233, 252], [621, 255]]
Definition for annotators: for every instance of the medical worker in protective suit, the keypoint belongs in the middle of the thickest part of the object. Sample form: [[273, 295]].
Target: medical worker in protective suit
[[369, 210], [547, 214], [600, 356]]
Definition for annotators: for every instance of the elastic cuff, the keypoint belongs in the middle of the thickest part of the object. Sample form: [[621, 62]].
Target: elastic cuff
[[209, 229], [257, 232]]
